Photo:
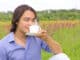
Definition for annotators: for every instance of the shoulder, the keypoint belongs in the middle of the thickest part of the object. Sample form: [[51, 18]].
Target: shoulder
[[2, 46], [39, 40], [3, 51], [6, 38], [35, 39], [4, 41]]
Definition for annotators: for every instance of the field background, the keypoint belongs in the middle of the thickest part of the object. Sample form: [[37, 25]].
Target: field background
[[66, 32]]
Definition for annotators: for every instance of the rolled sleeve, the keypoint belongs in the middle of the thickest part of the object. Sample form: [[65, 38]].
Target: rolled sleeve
[[45, 46]]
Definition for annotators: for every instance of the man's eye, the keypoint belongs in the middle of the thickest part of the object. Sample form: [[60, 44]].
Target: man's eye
[[29, 19], [33, 20], [26, 19]]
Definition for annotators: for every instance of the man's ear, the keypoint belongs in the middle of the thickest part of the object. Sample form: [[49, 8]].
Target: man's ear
[[16, 23]]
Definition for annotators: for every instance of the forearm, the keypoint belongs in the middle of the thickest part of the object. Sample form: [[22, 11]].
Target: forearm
[[53, 45]]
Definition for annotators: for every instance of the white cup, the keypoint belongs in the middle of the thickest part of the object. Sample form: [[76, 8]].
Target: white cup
[[33, 30]]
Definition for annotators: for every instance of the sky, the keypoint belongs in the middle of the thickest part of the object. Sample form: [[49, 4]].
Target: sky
[[38, 5]]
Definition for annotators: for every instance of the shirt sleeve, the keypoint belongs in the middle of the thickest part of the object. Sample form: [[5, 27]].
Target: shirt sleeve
[[45, 46], [3, 55]]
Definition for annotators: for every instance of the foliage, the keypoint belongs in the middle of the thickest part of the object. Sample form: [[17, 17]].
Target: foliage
[[49, 15], [59, 14]]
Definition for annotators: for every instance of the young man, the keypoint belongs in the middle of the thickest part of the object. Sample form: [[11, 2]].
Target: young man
[[17, 46]]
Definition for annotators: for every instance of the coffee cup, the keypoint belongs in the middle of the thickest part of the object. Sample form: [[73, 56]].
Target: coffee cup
[[34, 29]]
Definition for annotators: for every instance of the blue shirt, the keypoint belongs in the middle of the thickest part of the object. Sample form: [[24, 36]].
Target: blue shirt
[[9, 50]]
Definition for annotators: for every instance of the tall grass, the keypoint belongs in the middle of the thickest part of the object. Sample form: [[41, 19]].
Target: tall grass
[[69, 38], [4, 28]]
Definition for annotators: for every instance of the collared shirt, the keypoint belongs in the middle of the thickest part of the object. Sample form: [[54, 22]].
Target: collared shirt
[[9, 50]]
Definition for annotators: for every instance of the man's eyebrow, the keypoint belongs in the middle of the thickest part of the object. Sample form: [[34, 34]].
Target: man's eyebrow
[[30, 17]]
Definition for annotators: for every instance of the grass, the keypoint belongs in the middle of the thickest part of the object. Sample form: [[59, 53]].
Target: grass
[[70, 41], [3, 28], [68, 37]]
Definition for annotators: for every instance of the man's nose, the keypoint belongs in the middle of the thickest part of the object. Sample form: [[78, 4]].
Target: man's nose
[[31, 23]]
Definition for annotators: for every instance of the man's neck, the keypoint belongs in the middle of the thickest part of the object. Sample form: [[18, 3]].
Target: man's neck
[[20, 38]]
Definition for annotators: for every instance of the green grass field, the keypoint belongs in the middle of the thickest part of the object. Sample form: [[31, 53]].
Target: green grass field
[[70, 41], [68, 37]]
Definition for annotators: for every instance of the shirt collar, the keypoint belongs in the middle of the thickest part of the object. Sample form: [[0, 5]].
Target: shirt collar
[[11, 37]]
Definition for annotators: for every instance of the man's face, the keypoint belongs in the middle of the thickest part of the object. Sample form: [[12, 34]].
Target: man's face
[[26, 20]]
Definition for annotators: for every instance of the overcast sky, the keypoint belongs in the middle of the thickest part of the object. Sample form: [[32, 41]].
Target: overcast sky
[[10, 5]]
